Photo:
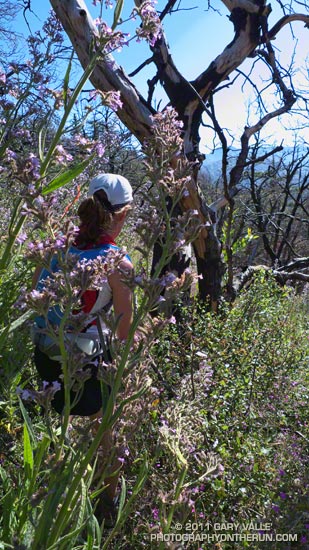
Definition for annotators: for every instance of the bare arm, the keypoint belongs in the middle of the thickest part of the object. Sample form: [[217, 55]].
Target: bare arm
[[122, 300]]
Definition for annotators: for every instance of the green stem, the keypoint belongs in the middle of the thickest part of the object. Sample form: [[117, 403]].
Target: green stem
[[179, 488], [13, 234], [70, 106]]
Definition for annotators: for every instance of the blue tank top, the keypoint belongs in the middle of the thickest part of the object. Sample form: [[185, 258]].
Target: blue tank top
[[55, 313]]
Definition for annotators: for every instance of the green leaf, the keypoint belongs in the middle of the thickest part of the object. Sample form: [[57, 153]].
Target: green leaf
[[82, 507], [27, 420], [122, 497], [41, 141], [67, 176], [3, 336], [67, 79], [117, 13], [28, 453], [13, 326]]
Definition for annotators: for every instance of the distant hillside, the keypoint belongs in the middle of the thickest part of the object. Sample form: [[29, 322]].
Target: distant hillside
[[212, 166]]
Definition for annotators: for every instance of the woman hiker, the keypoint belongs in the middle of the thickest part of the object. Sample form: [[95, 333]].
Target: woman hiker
[[102, 216]]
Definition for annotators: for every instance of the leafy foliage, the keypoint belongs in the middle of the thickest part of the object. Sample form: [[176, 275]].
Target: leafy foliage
[[209, 413]]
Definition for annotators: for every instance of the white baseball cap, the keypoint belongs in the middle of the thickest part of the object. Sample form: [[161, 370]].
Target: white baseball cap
[[117, 188]]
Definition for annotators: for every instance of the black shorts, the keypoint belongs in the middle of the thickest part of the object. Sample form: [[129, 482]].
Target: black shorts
[[90, 401]]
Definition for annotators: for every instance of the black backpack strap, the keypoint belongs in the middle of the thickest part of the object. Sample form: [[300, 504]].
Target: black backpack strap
[[103, 341]]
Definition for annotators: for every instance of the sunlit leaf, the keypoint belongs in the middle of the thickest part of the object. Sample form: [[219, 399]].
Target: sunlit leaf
[[28, 453], [67, 176], [117, 13]]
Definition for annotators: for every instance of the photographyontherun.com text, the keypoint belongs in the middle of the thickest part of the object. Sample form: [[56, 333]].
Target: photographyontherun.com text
[[223, 532]]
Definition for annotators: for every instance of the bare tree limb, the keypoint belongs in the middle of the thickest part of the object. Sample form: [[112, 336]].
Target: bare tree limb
[[281, 276], [168, 8], [299, 263], [107, 75], [286, 20], [141, 66]]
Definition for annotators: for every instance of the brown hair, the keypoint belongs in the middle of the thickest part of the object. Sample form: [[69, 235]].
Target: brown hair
[[96, 218]]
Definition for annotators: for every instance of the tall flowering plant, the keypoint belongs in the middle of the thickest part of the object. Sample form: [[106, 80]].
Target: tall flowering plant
[[42, 233], [58, 473]]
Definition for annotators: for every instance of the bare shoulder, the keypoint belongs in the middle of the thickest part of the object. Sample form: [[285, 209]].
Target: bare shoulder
[[125, 268], [126, 264]]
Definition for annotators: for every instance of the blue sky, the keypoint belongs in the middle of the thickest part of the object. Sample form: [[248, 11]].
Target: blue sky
[[196, 37]]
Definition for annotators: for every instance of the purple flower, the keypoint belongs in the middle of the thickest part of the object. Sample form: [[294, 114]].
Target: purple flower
[[151, 28], [100, 149], [62, 155], [10, 155], [21, 238], [33, 165], [283, 495], [51, 386], [24, 394], [35, 294], [180, 243], [112, 100], [168, 279], [155, 513]]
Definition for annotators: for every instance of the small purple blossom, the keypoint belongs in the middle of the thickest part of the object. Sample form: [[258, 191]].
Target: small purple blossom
[[112, 100], [168, 279], [42, 397], [151, 29], [99, 149], [172, 320], [32, 166], [62, 155], [22, 237], [23, 394], [35, 294], [10, 155]]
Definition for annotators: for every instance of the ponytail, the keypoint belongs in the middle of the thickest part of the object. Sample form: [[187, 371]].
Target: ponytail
[[94, 218], [96, 215]]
